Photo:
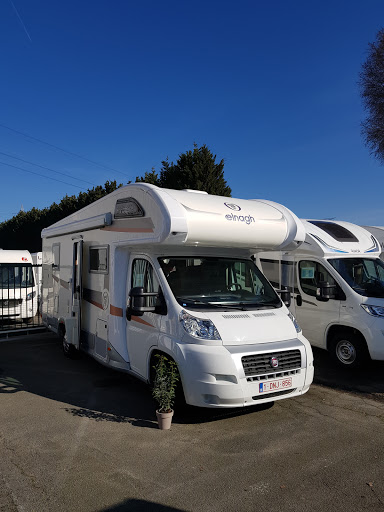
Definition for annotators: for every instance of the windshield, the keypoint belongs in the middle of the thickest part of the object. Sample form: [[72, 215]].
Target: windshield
[[15, 276], [364, 275], [218, 282]]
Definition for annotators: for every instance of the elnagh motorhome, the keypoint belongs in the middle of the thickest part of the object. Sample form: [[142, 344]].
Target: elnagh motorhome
[[147, 270], [337, 282]]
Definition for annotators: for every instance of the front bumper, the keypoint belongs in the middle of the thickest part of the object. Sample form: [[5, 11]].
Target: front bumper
[[214, 376]]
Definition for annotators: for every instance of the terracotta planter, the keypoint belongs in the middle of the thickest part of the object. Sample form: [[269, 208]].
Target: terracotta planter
[[164, 419]]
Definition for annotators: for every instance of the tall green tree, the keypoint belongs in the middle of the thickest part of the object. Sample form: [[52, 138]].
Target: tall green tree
[[196, 169], [372, 92]]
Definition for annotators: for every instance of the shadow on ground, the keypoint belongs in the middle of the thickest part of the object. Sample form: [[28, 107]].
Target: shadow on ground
[[141, 506], [368, 380], [87, 389]]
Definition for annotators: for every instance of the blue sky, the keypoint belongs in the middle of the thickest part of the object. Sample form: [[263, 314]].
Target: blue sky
[[270, 87]]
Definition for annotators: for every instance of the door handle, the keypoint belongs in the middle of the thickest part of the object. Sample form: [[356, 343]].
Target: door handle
[[299, 300]]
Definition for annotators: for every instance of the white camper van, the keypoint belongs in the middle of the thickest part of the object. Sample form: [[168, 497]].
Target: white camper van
[[18, 290], [147, 270], [337, 281]]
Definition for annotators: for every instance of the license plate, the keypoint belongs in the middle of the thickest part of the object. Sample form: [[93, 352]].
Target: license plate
[[275, 385]]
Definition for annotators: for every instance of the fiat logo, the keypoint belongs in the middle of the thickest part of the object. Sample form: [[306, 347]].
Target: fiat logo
[[233, 206], [274, 362]]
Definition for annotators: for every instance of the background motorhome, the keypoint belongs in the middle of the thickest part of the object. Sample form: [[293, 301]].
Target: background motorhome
[[18, 289], [378, 233], [37, 259], [146, 270], [336, 280]]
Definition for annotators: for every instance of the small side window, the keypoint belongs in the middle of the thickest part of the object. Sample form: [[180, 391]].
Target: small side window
[[56, 256], [98, 260]]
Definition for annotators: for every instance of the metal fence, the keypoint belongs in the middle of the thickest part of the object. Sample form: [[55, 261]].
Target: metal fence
[[20, 297]]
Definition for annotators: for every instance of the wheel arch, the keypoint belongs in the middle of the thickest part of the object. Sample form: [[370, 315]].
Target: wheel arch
[[337, 329]]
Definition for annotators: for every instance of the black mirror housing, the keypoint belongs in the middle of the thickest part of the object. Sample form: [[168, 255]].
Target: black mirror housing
[[137, 302], [325, 291], [285, 295]]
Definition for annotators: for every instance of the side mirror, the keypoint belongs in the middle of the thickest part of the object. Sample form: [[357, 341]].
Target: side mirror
[[137, 301], [326, 291], [285, 295]]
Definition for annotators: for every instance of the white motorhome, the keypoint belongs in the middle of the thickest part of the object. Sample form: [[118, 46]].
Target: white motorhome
[[337, 281], [18, 290], [147, 270]]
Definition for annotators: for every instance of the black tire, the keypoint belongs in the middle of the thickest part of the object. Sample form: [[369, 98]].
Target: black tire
[[349, 350], [69, 350]]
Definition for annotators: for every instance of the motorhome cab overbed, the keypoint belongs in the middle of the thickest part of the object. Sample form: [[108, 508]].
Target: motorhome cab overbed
[[18, 290], [337, 281], [147, 270]]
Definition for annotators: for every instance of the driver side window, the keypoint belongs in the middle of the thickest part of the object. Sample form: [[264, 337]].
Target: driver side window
[[144, 276], [311, 274]]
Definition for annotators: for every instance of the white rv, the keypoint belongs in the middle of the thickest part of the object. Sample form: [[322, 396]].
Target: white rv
[[337, 281], [147, 270], [18, 290]]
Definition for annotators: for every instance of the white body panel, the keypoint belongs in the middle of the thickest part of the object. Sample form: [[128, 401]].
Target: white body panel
[[378, 233], [320, 319], [18, 287], [173, 224]]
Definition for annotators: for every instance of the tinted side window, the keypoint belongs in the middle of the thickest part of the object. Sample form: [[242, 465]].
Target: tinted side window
[[98, 259], [144, 276], [310, 275]]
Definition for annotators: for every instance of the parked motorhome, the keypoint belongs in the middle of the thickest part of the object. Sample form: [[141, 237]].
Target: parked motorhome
[[378, 233], [336, 280], [147, 270], [18, 290]]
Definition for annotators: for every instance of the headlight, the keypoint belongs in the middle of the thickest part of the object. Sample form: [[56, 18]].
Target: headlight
[[297, 326], [373, 310], [31, 295], [199, 328]]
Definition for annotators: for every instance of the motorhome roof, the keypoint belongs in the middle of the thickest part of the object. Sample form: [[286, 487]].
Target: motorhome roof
[[339, 237], [142, 213], [15, 256]]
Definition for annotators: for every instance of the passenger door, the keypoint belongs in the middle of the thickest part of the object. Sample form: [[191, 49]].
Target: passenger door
[[313, 315], [77, 291], [143, 331]]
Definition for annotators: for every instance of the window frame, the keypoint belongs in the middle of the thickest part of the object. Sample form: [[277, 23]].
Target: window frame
[[98, 247], [56, 245]]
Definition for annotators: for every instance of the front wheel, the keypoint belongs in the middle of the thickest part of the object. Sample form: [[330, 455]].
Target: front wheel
[[69, 350], [349, 350]]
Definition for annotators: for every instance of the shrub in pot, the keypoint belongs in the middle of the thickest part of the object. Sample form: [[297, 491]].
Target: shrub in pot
[[164, 389]]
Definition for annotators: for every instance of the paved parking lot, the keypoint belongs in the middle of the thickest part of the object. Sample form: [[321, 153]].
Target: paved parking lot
[[75, 436]]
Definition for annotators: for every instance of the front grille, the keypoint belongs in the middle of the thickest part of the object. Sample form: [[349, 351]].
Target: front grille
[[260, 364], [10, 303]]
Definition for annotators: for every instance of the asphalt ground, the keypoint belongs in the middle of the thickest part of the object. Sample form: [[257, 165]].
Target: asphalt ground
[[76, 436]]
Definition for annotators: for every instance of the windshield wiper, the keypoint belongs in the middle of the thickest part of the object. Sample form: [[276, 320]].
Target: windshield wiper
[[242, 306], [220, 306]]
